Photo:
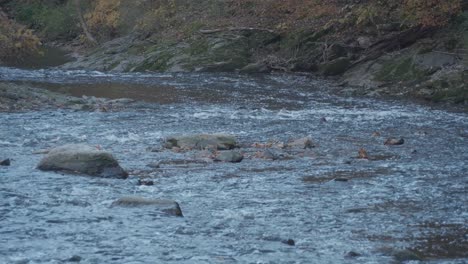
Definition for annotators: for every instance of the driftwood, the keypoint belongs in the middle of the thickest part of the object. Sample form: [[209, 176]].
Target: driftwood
[[217, 30], [393, 42]]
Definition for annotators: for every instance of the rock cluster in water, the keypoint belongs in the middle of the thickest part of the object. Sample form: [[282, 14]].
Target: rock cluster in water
[[202, 141], [92, 161], [5, 162]]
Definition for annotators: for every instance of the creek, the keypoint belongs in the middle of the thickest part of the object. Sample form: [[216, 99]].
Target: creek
[[412, 196]]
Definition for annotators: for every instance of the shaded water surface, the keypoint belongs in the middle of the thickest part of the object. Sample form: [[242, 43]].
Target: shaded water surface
[[410, 197]]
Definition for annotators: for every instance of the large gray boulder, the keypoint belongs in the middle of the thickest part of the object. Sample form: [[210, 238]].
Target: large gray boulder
[[82, 159], [202, 141], [163, 205]]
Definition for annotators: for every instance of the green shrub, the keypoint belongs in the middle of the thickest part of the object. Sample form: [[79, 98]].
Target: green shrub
[[53, 21]]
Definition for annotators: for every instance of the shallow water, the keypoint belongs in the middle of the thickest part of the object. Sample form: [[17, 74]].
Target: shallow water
[[414, 196]]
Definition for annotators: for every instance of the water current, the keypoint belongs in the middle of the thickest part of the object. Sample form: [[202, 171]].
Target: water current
[[412, 196]]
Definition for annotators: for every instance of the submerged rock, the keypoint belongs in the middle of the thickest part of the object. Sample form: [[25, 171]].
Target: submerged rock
[[5, 162], [301, 143], [164, 205], [394, 141], [352, 254], [229, 156], [145, 182], [273, 154], [83, 159], [405, 255], [362, 154], [289, 242], [74, 258], [202, 141]]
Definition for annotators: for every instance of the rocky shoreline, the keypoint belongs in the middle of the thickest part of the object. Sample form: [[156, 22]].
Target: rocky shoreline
[[415, 63], [16, 97]]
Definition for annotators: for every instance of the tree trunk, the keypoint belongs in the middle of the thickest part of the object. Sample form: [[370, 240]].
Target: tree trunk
[[88, 35]]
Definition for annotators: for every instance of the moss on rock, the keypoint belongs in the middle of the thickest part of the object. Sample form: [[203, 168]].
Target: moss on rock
[[403, 69]]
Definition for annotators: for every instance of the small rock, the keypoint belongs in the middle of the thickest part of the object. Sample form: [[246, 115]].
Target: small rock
[[202, 141], [154, 149], [362, 154], [164, 205], [289, 242], [5, 162], [323, 119], [394, 141], [154, 165], [352, 254], [463, 133], [272, 154], [229, 156], [75, 258], [302, 143], [376, 134], [41, 151], [145, 182], [341, 179], [364, 42], [405, 255]]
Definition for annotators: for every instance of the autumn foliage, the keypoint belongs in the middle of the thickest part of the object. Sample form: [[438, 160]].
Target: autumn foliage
[[107, 19], [432, 12], [103, 18], [15, 40]]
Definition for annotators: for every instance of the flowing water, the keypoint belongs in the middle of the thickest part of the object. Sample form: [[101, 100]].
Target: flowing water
[[412, 196]]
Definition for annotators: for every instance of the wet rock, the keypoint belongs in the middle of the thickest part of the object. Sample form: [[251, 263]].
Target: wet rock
[[352, 254], [341, 179], [41, 151], [258, 67], [229, 156], [405, 255], [301, 143], [154, 149], [5, 162], [145, 182], [362, 154], [394, 141], [463, 133], [202, 141], [433, 60], [82, 159], [180, 163], [273, 154], [164, 205], [289, 242], [154, 165], [335, 67], [364, 42], [74, 258]]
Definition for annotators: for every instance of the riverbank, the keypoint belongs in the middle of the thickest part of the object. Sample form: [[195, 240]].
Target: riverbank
[[414, 63], [408, 54]]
